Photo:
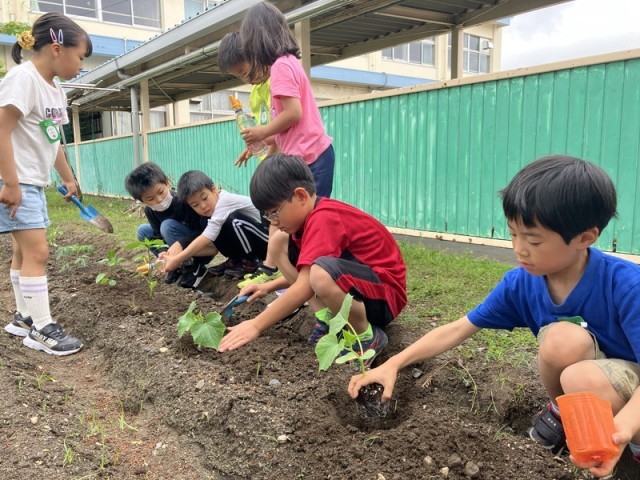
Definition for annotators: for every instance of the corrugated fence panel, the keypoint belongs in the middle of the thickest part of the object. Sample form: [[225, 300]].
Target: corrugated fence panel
[[212, 148], [436, 159], [104, 164]]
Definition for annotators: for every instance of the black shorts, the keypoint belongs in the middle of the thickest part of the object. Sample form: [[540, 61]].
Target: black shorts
[[356, 279]]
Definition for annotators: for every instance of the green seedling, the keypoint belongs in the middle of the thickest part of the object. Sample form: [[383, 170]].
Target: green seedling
[[341, 337], [206, 330], [113, 264], [42, 378], [68, 454], [73, 255], [53, 233], [122, 422], [148, 260]]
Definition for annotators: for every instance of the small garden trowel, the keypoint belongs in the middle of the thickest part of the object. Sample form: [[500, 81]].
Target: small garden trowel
[[89, 213], [227, 310]]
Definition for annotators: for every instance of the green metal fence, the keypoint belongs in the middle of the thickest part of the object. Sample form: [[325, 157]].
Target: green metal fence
[[434, 158]]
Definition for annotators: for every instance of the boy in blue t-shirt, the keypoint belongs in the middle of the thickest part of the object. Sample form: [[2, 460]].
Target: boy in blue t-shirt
[[583, 305]]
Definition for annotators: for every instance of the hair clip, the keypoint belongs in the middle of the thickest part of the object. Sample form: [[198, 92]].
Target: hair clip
[[56, 39]]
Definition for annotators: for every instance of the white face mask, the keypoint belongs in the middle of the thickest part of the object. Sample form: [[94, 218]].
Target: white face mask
[[164, 204]]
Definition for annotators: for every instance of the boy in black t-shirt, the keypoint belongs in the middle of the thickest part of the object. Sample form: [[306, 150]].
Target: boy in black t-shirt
[[169, 219]]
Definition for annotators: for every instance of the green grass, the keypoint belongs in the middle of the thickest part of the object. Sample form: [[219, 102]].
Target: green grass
[[117, 211], [441, 286]]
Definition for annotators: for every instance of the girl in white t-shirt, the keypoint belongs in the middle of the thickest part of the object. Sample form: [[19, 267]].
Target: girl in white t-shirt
[[33, 108]]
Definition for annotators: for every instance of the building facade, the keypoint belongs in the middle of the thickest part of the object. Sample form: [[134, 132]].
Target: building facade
[[117, 26]]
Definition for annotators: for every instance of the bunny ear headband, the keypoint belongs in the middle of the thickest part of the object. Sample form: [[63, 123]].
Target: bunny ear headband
[[56, 39]]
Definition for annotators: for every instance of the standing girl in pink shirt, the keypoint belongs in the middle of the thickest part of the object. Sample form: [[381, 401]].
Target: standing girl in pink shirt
[[296, 126]]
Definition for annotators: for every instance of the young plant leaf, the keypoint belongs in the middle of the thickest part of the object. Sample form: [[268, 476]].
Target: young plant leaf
[[209, 331], [339, 321], [327, 349], [186, 320]]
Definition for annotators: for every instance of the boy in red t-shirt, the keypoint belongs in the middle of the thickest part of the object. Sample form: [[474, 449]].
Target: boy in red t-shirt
[[334, 249]]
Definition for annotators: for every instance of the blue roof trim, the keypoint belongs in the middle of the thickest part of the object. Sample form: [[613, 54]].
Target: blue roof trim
[[363, 77], [103, 46]]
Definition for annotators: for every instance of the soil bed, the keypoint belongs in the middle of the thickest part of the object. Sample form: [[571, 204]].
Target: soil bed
[[138, 402]]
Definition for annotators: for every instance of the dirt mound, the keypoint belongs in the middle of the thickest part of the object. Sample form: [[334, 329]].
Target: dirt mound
[[138, 402]]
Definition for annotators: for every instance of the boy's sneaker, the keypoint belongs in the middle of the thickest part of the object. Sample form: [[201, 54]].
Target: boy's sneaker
[[53, 340], [377, 343], [321, 328], [263, 274], [192, 275], [242, 268], [20, 326], [218, 270], [547, 430], [173, 276]]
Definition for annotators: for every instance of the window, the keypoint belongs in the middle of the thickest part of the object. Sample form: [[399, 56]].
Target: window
[[145, 13], [419, 53], [216, 105], [193, 7], [476, 54]]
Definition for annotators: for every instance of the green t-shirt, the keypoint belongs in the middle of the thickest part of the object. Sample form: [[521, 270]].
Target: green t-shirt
[[260, 102]]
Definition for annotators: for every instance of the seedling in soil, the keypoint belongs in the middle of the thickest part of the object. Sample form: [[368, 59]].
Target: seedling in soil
[[113, 264], [148, 260], [342, 345], [341, 338], [68, 454], [206, 330], [41, 378], [122, 422], [73, 255]]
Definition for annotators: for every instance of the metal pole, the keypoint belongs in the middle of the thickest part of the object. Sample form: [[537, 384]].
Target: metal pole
[[135, 126]]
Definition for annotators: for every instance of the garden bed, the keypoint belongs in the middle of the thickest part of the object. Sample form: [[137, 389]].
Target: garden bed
[[137, 402]]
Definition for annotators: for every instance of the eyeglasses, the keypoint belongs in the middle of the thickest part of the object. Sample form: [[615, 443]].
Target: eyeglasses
[[273, 216]]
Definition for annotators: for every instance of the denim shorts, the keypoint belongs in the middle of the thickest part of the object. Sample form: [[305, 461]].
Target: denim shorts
[[31, 213]]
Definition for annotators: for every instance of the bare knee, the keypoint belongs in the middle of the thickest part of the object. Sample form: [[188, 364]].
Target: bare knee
[[583, 376], [320, 281], [565, 343]]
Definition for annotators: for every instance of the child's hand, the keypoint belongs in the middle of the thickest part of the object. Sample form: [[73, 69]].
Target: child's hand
[[11, 196], [254, 134], [239, 335], [621, 436], [243, 159], [170, 262], [385, 375], [72, 189], [254, 291]]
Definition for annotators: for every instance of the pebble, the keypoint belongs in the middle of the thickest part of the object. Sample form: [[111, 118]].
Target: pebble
[[283, 438], [416, 373], [428, 461], [444, 471], [380, 477], [454, 460], [34, 420], [471, 469], [163, 349], [200, 385], [274, 382]]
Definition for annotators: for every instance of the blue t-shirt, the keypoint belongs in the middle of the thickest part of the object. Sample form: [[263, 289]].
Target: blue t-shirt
[[607, 297]]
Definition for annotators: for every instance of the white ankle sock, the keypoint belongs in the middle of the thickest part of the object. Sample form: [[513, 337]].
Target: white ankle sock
[[555, 409], [21, 307], [35, 291], [635, 449]]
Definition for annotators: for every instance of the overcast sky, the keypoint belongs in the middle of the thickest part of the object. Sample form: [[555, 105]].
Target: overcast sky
[[575, 29]]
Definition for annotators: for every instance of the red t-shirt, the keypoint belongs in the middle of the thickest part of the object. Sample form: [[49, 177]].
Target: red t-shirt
[[334, 227]]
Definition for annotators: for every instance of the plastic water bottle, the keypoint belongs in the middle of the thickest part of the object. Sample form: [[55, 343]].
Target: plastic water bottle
[[244, 121]]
